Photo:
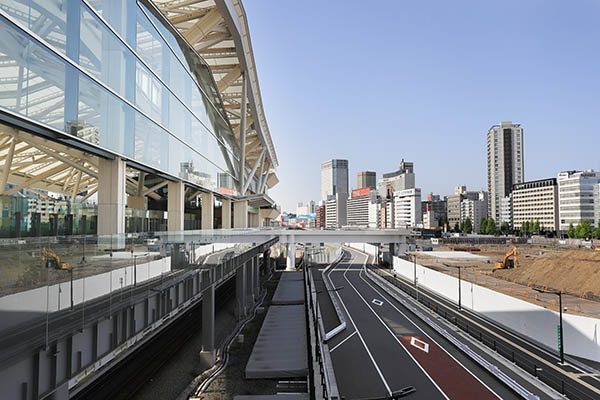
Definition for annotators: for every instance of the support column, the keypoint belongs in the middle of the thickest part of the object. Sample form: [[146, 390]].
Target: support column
[[111, 196], [175, 206], [208, 325], [250, 283], [208, 210], [240, 214], [240, 292], [291, 257], [226, 214], [256, 278]]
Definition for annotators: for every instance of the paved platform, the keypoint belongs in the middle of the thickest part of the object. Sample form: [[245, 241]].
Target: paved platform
[[453, 255], [280, 350], [290, 289], [281, 396]]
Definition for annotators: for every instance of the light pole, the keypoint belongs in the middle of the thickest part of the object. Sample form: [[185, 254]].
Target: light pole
[[415, 267], [561, 347]]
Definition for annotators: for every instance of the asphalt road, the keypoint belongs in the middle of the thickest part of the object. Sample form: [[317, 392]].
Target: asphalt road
[[384, 348]]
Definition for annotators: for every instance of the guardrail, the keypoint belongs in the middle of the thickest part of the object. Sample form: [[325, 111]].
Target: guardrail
[[320, 352], [330, 289], [527, 362]]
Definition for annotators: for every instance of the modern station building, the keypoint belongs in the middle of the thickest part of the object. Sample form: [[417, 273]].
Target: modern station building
[[127, 116]]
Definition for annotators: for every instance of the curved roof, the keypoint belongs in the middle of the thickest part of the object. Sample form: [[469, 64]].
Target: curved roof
[[218, 31]]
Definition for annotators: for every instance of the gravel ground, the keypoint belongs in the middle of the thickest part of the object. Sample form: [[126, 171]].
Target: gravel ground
[[177, 373]]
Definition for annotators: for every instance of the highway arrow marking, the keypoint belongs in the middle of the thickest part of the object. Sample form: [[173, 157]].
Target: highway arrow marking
[[377, 302], [419, 344]]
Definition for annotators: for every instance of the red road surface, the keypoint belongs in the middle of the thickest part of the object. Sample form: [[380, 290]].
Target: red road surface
[[456, 383]]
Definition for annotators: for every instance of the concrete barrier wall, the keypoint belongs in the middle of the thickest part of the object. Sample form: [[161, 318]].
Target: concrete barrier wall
[[581, 334], [364, 247], [211, 248], [58, 296]]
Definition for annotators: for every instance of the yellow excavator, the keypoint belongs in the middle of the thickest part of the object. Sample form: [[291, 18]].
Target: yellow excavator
[[508, 262], [51, 260]]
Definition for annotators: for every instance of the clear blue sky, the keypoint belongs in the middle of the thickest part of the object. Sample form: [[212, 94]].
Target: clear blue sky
[[375, 82]]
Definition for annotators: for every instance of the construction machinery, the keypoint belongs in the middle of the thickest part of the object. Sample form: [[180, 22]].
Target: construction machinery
[[51, 260], [508, 262]]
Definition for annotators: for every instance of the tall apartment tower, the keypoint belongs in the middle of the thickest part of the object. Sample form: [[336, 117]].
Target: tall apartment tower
[[334, 178], [504, 162], [366, 179]]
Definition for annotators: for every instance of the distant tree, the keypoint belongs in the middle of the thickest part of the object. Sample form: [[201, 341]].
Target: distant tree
[[468, 226], [525, 228], [505, 228], [443, 221], [456, 228], [491, 226], [571, 231], [584, 230], [482, 226], [597, 232], [536, 227]]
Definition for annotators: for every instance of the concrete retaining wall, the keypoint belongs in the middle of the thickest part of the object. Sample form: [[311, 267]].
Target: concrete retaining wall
[[581, 334]]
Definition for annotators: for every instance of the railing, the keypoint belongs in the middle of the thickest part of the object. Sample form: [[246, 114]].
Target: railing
[[319, 346], [557, 381]]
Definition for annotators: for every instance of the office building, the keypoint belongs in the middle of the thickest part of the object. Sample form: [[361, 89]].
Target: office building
[[334, 178], [366, 179], [336, 211], [474, 206], [407, 208], [320, 217], [536, 201], [506, 211], [360, 211], [577, 197], [402, 179], [504, 163], [306, 209], [435, 208], [456, 213]]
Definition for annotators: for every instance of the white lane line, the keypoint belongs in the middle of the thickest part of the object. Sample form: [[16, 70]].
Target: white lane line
[[365, 345], [430, 338], [394, 335], [342, 342]]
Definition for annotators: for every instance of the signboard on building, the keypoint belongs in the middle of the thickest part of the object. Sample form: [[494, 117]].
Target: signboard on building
[[360, 192]]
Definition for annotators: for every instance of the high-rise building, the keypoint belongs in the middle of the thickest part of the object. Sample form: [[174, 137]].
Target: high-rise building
[[506, 214], [504, 163], [475, 207], [402, 179], [536, 201], [577, 197], [360, 211], [320, 218], [407, 208], [306, 209], [366, 179], [336, 211], [334, 178], [435, 208]]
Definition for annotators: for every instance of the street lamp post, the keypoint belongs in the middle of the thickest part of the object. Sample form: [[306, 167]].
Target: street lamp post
[[560, 326], [459, 289]]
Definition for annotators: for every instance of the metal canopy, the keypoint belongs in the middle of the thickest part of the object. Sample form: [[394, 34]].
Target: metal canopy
[[218, 30]]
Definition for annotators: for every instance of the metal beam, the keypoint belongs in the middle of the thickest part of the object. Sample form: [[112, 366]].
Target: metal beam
[[155, 187], [7, 165], [38, 178], [228, 79], [251, 175], [242, 172], [204, 26]]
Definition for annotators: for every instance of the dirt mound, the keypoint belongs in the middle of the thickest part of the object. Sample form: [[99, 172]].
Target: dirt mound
[[574, 271]]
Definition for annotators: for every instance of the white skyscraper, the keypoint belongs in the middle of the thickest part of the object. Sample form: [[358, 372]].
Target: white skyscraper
[[334, 178], [504, 162]]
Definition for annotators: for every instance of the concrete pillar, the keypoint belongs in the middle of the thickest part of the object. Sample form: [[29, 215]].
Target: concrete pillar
[[226, 214], [137, 202], [111, 196], [208, 210], [256, 278], [291, 257], [208, 325], [250, 282], [240, 291], [175, 206], [240, 214]]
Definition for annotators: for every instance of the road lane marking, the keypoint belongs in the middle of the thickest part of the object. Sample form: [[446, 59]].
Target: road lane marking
[[419, 344], [343, 341], [377, 302], [395, 337], [425, 333], [364, 343]]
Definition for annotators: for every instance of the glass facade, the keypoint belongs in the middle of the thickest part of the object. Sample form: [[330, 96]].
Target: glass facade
[[112, 74]]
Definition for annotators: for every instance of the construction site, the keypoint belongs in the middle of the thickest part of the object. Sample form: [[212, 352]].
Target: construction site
[[525, 271]]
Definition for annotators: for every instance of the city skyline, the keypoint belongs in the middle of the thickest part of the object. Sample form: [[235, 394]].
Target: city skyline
[[442, 86]]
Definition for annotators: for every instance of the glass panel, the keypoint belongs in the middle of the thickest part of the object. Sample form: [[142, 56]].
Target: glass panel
[[102, 118], [103, 55], [151, 143], [148, 92], [34, 76], [115, 12], [149, 45]]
